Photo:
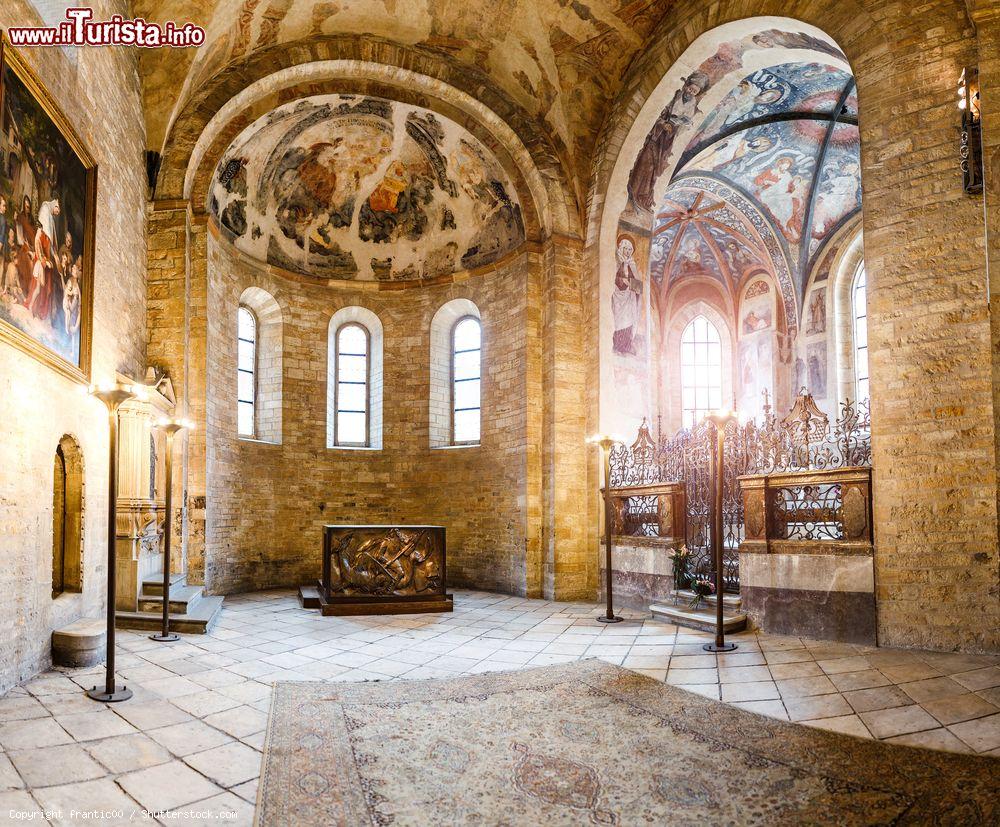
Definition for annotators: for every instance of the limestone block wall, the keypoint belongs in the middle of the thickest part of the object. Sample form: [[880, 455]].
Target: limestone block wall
[[937, 577], [267, 503], [99, 92]]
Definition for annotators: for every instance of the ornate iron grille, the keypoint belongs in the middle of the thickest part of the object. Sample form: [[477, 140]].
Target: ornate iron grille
[[808, 512], [641, 517], [802, 440]]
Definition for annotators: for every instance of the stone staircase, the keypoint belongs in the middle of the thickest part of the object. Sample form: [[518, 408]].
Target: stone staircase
[[678, 611], [191, 611]]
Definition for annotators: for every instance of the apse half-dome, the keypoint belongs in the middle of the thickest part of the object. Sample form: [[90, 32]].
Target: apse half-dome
[[352, 187]]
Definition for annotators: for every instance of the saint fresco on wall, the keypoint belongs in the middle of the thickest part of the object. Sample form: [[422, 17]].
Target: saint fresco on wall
[[816, 369], [47, 189], [340, 186], [626, 300], [817, 312]]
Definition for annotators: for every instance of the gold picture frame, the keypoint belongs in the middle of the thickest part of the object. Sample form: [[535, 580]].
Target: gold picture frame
[[14, 67]]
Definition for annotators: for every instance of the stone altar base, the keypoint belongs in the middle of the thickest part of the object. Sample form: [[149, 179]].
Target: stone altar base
[[312, 597]]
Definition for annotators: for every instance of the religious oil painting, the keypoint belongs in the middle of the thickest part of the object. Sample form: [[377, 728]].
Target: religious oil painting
[[47, 189]]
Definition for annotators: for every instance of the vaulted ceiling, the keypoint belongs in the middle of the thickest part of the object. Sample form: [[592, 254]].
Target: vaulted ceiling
[[557, 60]]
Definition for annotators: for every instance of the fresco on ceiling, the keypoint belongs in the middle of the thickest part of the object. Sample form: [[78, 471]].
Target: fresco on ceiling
[[554, 59], [341, 186], [774, 164], [699, 236], [790, 87], [682, 109], [838, 189]]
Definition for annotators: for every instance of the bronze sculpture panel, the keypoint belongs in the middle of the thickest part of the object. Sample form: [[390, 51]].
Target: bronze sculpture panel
[[383, 570]]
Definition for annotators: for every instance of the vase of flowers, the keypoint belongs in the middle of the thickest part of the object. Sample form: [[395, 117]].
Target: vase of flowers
[[680, 557], [702, 588]]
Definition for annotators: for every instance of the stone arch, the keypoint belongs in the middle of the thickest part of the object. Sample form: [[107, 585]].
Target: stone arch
[[609, 197], [343, 64], [67, 517]]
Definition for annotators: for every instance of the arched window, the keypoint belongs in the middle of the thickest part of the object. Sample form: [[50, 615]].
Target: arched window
[[351, 424], [701, 371], [354, 380], [246, 372], [466, 383], [859, 312]]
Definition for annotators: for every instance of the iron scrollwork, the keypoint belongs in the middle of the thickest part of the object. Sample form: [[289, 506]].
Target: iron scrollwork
[[803, 440]]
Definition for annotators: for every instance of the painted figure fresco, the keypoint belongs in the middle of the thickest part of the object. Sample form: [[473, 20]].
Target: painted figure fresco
[[652, 159], [817, 312], [816, 368], [625, 298], [43, 214], [339, 186]]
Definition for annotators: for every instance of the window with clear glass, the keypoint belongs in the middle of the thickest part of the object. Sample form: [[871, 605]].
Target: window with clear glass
[[246, 372], [859, 305], [701, 371], [466, 381], [351, 423]]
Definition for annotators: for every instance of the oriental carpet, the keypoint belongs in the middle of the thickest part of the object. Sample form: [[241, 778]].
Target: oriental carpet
[[587, 743]]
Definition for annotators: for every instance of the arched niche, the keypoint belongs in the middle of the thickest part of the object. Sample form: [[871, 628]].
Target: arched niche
[[67, 517]]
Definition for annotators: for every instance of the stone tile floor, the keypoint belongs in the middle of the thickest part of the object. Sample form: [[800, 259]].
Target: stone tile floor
[[190, 740]]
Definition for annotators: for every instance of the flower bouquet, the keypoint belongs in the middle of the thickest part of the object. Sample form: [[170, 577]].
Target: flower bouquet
[[701, 588], [680, 557]]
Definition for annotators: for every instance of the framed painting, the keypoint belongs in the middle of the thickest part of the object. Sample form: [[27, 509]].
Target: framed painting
[[48, 188]]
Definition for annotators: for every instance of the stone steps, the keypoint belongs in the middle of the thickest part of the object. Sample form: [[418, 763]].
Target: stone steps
[[153, 585], [730, 602], [190, 610], [702, 619], [183, 599]]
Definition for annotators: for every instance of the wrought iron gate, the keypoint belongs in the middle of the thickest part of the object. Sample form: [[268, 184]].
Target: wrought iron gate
[[802, 440]]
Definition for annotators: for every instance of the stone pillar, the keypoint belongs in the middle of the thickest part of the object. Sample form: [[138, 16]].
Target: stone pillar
[[570, 571], [178, 326]]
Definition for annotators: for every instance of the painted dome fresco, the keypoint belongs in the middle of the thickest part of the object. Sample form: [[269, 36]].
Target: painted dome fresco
[[352, 187]]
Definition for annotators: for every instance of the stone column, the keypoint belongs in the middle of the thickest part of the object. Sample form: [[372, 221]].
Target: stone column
[[570, 572]]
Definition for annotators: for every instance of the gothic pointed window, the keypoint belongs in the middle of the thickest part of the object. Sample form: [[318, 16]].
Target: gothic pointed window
[[701, 370]]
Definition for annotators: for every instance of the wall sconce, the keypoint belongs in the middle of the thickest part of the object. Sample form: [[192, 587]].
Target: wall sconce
[[970, 151]]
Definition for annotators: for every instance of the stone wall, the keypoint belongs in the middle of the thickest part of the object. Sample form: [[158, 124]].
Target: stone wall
[[267, 502], [933, 412], [99, 92]]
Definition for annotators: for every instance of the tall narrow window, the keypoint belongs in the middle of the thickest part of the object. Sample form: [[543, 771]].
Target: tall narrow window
[[859, 305], [701, 371], [246, 373], [466, 362], [351, 423]]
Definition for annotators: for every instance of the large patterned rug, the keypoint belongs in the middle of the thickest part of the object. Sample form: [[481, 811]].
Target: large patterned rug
[[587, 743]]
